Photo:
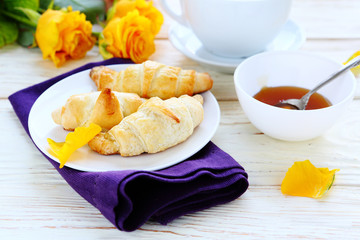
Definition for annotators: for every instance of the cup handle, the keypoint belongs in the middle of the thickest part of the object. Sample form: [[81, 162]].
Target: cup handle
[[177, 17]]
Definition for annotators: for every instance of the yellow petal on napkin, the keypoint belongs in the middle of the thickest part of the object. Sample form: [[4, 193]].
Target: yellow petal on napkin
[[355, 70], [73, 141], [305, 180]]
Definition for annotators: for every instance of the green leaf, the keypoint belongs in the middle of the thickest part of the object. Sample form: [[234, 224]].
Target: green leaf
[[46, 4], [18, 18], [12, 5], [93, 9], [111, 11], [32, 15], [8, 31], [12, 9]]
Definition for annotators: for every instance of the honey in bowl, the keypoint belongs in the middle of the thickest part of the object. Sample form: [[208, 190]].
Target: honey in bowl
[[274, 95]]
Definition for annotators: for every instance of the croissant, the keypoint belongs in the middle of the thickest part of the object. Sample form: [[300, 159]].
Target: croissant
[[105, 108], [156, 126], [152, 79]]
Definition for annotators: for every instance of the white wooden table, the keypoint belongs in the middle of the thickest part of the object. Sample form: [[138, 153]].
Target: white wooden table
[[36, 203]]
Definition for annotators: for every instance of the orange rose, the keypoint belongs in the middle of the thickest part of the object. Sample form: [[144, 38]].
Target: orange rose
[[128, 37], [145, 8], [62, 35]]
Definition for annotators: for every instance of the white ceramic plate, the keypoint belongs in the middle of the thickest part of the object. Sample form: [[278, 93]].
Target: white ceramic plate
[[291, 37], [41, 127]]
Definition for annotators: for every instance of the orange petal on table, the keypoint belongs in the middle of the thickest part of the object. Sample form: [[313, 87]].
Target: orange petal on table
[[355, 70], [305, 180], [73, 141]]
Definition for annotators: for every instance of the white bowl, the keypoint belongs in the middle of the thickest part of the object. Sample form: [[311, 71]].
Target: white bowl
[[292, 68]]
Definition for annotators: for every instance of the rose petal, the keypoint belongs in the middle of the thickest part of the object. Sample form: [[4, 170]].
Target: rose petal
[[122, 35], [305, 180], [74, 140], [62, 35]]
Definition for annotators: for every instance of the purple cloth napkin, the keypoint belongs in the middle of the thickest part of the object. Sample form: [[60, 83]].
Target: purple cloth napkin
[[130, 198]]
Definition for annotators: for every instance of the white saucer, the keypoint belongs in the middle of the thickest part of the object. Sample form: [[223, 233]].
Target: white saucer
[[291, 37]]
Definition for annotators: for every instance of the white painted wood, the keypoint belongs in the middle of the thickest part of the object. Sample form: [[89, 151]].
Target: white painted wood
[[36, 203]]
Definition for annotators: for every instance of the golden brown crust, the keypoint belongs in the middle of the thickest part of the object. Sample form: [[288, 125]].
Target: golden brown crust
[[160, 108], [186, 85], [133, 85], [199, 98], [164, 84], [152, 79], [151, 69], [156, 126], [103, 77], [204, 81], [104, 144], [105, 108]]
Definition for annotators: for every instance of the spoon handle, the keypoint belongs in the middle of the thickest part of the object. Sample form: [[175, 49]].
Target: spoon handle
[[348, 66]]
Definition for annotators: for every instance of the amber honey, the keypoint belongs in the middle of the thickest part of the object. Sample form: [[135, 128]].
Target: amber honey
[[274, 95]]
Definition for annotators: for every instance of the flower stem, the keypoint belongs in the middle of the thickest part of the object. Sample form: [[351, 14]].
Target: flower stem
[[96, 34]]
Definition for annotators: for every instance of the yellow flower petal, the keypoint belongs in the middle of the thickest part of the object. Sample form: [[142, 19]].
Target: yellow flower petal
[[62, 35], [305, 180], [128, 37], [145, 8], [131, 31], [47, 33], [73, 141], [122, 7], [355, 70]]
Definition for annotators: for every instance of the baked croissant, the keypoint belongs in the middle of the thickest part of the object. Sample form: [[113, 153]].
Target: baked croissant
[[152, 79], [157, 125], [105, 108]]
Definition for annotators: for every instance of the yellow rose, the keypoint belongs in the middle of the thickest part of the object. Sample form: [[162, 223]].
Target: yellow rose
[[128, 37], [63, 35], [145, 8]]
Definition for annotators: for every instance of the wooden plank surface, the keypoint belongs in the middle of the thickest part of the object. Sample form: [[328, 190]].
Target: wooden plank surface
[[36, 203]]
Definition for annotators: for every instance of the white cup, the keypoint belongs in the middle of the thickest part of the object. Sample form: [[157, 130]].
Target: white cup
[[232, 28]]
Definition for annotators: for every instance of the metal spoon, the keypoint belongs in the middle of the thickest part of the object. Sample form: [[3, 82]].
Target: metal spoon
[[300, 104]]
